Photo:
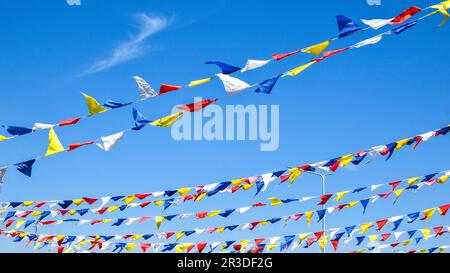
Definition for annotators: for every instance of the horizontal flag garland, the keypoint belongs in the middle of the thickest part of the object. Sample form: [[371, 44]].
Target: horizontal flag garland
[[412, 185], [104, 143], [345, 25], [404, 243], [261, 182], [442, 249], [334, 235]]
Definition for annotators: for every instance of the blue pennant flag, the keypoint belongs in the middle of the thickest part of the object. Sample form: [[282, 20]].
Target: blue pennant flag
[[169, 247], [113, 104], [170, 192], [123, 207], [321, 214], [226, 213], [364, 203], [82, 212], [107, 238], [349, 230], [267, 85], [28, 223], [43, 215], [274, 220], [411, 233], [119, 246], [170, 217], [219, 188], [431, 250], [346, 26], [358, 190], [226, 68], [358, 158], [403, 27], [115, 198], [231, 228], [228, 244], [119, 222], [259, 186], [147, 236], [397, 224], [168, 203], [139, 120], [17, 131], [287, 242], [413, 217], [391, 148], [15, 204], [189, 232], [25, 167], [338, 236], [428, 177], [65, 204], [360, 240], [418, 239], [9, 215]]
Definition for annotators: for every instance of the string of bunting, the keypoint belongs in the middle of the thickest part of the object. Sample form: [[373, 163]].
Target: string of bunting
[[213, 213], [346, 28], [442, 249]]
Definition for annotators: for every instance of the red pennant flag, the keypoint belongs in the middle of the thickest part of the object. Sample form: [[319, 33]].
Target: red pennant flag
[[141, 196], [48, 222], [127, 236], [9, 222], [438, 230], [145, 218], [418, 139], [319, 234], [310, 241], [93, 222], [201, 215], [328, 54], [189, 248], [78, 145], [235, 188], [402, 17], [25, 214], [335, 166], [381, 224], [259, 241], [296, 217], [63, 211], [102, 210], [335, 244], [169, 234], [324, 199], [189, 197], [395, 184], [284, 178], [259, 205], [40, 204], [165, 88], [385, 236], [201, 246], [145, 247], [340, 207], [443, 209], [90, 201], [258, 249], [384, 195], [237, 247], [69, 122], [254, 224], [144, 204], [196, 106], [60, 249], [280, 57], [394, 244]]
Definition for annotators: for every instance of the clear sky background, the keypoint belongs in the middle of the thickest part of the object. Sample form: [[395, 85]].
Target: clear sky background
[[50, 52]]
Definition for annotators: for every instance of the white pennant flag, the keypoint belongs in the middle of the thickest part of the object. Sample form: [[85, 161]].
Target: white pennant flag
[[369, 41], [427, 136], [243, 209], [109, 141], [267, 179], [376, 23], [254, 64], [374, 187], [232, 85], [2, 174], [145, 90], [40, 126]]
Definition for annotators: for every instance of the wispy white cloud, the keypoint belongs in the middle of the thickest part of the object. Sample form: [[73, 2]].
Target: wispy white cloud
[[134, 47]]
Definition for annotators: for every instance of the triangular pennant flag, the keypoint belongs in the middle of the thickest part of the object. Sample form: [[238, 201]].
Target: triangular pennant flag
[[298, 70], [318, 48], [280, 57], [17, 131], [139, 120], [328, 54], [166, 88], [405, 15], [54, 145], [233, 85], [346, 26], [78, 145], [199, 82], [93, 106], [376, 23], [114, 104], [2, 175], [196, 106], [308, 216], [403, 27], [267, 85], [370, 41], [254, 64], [25, 167], [159, 220], [106, 143], [145, 90], [226, 68], [168, 120]]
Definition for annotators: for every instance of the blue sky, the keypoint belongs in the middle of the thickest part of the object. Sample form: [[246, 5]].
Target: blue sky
[[50, 52]]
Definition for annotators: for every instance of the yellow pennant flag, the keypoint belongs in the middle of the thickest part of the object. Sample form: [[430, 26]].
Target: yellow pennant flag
[[36, 213], [129, 199], [323, 242], [442, 179], [308, 216], [158, 202], [275, 201], [340, 195], [238, 182], [20, 223], [78, 201], [184, 191], [137, 237], [167, 121], [429, 213], [179, 235], [352, 204], [199, 82], [373, 238], [294, 174], [2, 138], [407, 242], [365, 227], [182, 247], [159, 220], [113, 208], [412, 181], [401, 143], [54, 145], [244, 243], [298, 70], [303, 236], [93, 106], [107, 220], [346, 159], [28, 203], [317, 49], [213, 213], [201, 196], [426, 233], [248, 186], [271, 247], [442, 9], [130, 246], [220, 230]]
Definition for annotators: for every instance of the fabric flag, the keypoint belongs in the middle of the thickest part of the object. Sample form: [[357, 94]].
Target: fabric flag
[[321, 214], [2, 138], [328, 54], [405, 15], [17, 131], [364, 203], [377, 23], [106, 143], [199, 82], [226, 68], [78, 145], [298, 70], [196, 106], [159, 220], [254, 64], [93, 106], [442, 9], [25, 167], [166, 88], [145, 90], [41, 126], [280, 57], [168, 120], [114, 104], [54, 145], [233, 85], [308, 216], [428, 214], [139, 120], [346, 26], [369, 41], [69, 122], [267, 85], [317, 49], [2, 175], [403, 27]]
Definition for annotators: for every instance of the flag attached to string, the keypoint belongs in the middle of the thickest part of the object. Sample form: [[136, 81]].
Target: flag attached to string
[[226, 68], [267, 85], [298, 70], [199, 82], [369, 41], [403, 27], [25, 167], [17, 131], [166, 88], [93, 106], [317, 49], [233, 85], [254, 64], [139, 120], [196, 106], [106, 143], [167, 121], [145, 90], [346, 26], [54, 145]]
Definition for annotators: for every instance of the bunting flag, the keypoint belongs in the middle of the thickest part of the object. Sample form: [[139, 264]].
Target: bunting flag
[[267, 85], [226, 68], [346, 26], [232, 85], [145, 90], [54, 145], [106, 143], [317, 49], [93, 106], [401, 18], [166, 88], [199, 82], [196, 106], [442, 9], [298, 70], [168, 120], [254, 64]]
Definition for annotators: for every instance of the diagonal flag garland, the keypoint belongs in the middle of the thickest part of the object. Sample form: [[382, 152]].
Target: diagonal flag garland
[[412, 185], [346, 27], [261, 182]]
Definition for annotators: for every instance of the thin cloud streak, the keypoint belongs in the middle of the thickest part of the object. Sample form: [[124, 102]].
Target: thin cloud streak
[[134, 47]]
